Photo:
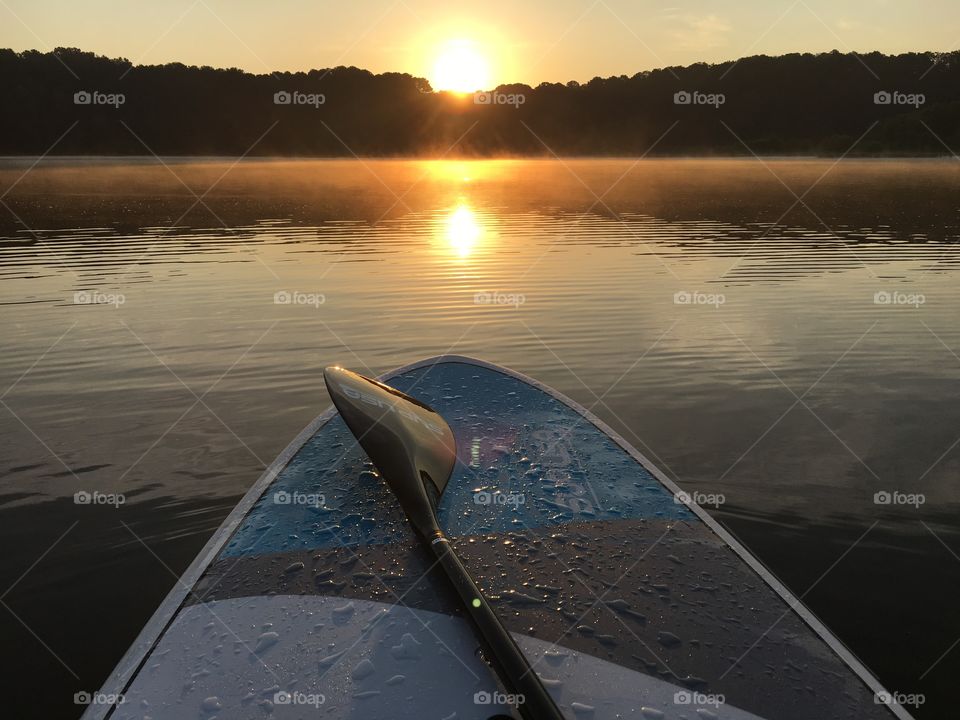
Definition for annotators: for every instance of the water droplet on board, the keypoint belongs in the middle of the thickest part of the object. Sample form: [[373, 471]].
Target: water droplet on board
[[555, 657], [364, 669], [624, 608], [343, 613], [329, 660], [408, 649], [668, 639], [366, 694], [520, 599], [555, 686], [266, 641]]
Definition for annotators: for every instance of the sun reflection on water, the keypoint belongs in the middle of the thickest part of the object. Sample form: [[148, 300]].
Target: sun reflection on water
[[463, 230]]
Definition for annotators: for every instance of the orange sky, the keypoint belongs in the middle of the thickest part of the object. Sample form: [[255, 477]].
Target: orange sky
[[530, 41]]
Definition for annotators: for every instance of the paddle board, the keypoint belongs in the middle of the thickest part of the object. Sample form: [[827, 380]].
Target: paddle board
[[316, 600]]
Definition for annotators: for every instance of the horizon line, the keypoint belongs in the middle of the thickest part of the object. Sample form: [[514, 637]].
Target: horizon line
[[936, 54]]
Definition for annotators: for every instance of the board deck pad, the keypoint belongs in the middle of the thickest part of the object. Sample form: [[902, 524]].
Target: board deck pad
[[627, 603]]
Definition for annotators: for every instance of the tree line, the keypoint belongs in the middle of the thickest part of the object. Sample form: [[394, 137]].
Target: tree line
[[823, 104]]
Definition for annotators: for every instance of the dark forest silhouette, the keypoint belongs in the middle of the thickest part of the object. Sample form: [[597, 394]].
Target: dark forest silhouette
[[792, 104]]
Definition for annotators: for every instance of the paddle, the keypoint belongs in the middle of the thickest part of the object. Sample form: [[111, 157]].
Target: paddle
[[415, 451]]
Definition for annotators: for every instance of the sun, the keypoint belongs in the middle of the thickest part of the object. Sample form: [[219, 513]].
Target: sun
[[461, 67]]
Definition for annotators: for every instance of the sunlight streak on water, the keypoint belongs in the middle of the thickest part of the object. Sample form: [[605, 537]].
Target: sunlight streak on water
[[463, 230]]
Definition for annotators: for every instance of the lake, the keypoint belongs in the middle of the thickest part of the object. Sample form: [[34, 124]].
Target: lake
[[779, 333]]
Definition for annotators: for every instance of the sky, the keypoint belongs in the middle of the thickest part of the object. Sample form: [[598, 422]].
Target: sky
[[494, 41]]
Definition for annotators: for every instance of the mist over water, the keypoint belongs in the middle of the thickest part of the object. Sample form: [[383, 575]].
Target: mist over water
[[780, 332]]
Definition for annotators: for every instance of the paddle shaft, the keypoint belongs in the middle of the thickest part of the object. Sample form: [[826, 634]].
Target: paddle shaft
[[500, 649]]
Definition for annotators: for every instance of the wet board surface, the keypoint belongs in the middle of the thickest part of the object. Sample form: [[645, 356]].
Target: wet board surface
[[316, 600]]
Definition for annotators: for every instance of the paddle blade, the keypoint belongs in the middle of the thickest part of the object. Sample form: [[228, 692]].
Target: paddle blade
[[409, 442]]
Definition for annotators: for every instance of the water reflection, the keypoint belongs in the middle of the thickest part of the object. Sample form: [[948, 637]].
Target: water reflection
[[463, 230], [465, 171], [704, 390]]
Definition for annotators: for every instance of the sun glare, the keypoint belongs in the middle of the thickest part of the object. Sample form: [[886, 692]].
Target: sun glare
[[463, 230], [461, 67]]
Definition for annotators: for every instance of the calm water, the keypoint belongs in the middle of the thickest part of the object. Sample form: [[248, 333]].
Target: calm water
[[797, 357]]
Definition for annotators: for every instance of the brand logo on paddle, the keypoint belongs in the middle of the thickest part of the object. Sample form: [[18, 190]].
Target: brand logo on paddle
[[698, 498], [497, 698], [358, 394], [686, 697], [898, 498], [298, 698]]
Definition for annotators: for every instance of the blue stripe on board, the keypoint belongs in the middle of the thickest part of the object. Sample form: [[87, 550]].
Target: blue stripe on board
[[525, 460]]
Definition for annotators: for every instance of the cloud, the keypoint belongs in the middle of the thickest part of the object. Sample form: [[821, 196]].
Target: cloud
[[699, 32], [848, 24]]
